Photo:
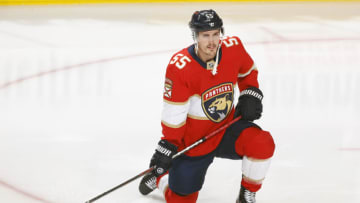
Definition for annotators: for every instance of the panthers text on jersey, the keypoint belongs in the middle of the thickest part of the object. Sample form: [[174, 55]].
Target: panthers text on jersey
[[196, 102]]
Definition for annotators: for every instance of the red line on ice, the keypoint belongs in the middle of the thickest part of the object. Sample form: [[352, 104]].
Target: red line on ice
[[40, 74], [273, 33], [26, 194]]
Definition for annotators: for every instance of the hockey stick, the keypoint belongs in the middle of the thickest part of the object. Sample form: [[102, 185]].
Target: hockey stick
[[176, 155]]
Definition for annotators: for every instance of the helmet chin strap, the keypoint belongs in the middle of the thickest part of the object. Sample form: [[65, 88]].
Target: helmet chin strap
[[214, 70], [196, 43]]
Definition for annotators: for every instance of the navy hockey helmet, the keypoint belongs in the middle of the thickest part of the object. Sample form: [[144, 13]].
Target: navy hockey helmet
[[205, 20]]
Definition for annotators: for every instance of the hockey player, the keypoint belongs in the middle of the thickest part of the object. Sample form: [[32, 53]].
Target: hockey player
[[198, 99]]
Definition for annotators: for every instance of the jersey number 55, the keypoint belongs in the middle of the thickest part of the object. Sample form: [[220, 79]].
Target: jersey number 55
[[180, 60]]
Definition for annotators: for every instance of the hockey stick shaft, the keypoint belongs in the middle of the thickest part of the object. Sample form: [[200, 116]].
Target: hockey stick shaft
[[121, 185], [207, 137], [175, 156]]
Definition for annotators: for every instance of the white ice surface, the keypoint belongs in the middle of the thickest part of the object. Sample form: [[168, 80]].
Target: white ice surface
[[93, 121]]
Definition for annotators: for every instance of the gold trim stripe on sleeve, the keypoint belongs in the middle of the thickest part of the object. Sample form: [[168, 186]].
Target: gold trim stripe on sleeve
[[197, 117], [173, 126], [241, 75]]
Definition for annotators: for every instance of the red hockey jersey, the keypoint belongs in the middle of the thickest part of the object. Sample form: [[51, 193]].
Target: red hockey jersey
[[196, 102]]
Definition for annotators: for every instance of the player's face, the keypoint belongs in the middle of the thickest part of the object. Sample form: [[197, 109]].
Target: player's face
[[208, 43]]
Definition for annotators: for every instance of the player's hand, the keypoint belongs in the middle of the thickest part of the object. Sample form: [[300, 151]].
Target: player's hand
[[249, 105], [162, 158]]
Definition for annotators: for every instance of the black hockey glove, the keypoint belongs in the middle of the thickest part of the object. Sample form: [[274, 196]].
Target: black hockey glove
[[162, 158], [249, 105]]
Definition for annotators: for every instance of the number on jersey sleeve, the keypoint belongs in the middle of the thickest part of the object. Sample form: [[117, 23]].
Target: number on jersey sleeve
[[230, 41], [180, 60]]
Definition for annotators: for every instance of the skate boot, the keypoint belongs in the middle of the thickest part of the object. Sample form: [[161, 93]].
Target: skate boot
[[246, 196], [147, 184]]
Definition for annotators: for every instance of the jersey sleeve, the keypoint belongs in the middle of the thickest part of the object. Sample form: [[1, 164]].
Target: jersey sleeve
[[175, 106], [248, 72]]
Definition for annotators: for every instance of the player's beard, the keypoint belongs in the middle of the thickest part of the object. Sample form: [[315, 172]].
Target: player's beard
[[209, 50]]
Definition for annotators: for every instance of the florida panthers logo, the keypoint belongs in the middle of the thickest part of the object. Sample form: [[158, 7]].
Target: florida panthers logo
[[217, 102]]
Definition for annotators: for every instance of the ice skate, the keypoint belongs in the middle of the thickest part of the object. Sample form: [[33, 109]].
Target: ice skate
[[147, 184], [246, 196]]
